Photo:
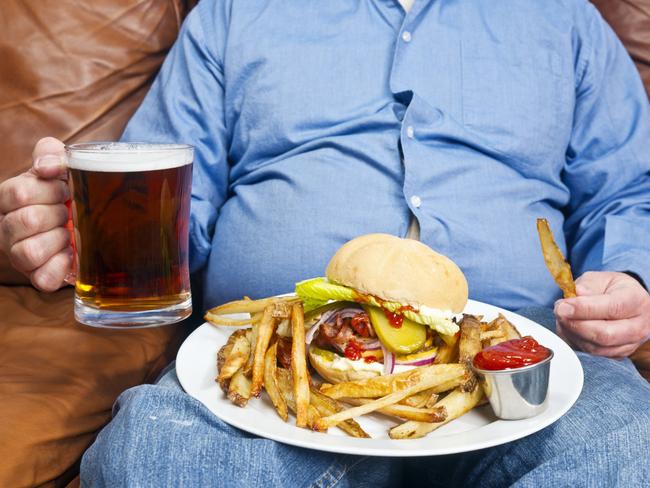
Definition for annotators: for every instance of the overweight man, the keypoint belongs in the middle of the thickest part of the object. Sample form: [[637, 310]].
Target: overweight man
[[459, 121]]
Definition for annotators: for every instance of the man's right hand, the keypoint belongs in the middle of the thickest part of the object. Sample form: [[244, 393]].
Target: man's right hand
[[33, 215]]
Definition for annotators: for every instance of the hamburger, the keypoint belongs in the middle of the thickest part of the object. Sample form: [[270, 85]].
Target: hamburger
[[386, 304]]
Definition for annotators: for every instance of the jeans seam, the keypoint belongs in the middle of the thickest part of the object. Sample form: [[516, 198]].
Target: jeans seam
[[333, 479]]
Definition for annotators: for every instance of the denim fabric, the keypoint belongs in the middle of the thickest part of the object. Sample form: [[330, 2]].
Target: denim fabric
[[162, 437], [317, 121]]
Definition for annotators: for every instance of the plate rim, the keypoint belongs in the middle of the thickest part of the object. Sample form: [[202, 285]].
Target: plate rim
[[398, 448]]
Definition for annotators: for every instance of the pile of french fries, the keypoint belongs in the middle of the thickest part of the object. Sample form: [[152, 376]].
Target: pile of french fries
[[420, 400]]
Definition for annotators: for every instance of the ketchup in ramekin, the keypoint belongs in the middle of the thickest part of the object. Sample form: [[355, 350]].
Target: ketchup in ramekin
[[515, 353]]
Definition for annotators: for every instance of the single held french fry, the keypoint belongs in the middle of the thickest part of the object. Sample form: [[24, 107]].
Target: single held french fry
[[555, 262], [264, 333], [236, 359], [328, 406], [299, 364], [421, 379], [271, 382], [468, 347], [405, 412], [239, 389], [456, 404]]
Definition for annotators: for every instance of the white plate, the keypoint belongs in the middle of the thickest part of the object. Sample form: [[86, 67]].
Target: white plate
[[478, 429]]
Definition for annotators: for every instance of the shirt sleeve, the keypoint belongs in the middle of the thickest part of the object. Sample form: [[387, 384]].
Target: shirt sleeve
[[607, 169], [186, 105]]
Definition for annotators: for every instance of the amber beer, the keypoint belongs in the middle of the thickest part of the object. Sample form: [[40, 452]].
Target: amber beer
[[130, 208]]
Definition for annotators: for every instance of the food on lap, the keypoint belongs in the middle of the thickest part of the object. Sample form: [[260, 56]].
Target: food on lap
[[385, 331]]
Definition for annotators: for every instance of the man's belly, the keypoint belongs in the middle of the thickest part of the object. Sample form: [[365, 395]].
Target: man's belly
[[273, 234]]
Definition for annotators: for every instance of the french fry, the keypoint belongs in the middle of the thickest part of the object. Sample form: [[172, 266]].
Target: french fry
[[405, 412], [492, 334], [417, 400], [252, 338], [239, 389], [432, 400], [447, 352], [421, 379], [271, 382], [285, 384], [555, 262], [282, 310], [264, 333], [226, 321], [238, 356], [328, 406], [299, 365], [249, 306], [222, 356], [468, 347], [456, 404], [380, 386], [507, 329]]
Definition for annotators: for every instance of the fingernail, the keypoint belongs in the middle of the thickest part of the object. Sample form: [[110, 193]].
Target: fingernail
[[70, 278], [563, 309], [48, 161]]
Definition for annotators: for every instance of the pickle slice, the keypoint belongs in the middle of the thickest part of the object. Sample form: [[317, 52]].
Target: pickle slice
[[403, 340]]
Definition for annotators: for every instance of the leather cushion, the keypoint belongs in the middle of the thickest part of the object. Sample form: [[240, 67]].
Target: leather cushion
[[631, 21], [76, 70], [58, 380]]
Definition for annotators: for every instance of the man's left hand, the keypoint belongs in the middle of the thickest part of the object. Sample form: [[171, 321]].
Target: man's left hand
[[609, 317]]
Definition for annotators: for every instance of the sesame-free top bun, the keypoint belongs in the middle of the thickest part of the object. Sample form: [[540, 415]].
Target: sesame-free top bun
[[399, 270], [324, 368]]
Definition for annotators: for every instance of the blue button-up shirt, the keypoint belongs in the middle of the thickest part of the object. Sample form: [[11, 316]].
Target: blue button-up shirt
[[316, 121]]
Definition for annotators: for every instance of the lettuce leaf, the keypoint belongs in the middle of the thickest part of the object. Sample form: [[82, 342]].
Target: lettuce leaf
[[316, 292]]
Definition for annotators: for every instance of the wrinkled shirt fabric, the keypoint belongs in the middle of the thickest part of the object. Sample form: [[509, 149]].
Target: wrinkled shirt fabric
[[315, 122]]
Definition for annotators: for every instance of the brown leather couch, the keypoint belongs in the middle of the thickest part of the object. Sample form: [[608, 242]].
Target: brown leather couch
[[77, 70]]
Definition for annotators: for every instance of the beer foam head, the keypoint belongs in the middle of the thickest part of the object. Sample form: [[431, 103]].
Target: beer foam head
[[127, 156]]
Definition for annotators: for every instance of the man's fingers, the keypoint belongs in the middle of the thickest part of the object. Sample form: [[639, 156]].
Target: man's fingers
[[31, 220], [32, 253], [593, 283], [615, 352], [606, 334], [51, 276], [612, 306], [49, 158], [28, 189]]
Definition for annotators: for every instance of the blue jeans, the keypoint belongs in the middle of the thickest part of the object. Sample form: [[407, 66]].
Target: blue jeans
[[162, 437]]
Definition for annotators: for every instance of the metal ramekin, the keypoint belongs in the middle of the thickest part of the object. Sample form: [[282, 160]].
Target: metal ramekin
[[517, 393]]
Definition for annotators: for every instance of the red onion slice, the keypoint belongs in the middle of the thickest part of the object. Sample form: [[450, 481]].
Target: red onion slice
[[389, 361], [309, 336], [420, 361]]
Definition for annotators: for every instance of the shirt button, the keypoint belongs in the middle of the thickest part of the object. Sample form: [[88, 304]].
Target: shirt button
[[410, 132], [416, 201], [406, 36]]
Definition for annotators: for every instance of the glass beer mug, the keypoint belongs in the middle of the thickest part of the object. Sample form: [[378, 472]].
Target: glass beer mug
[[131, 212]]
